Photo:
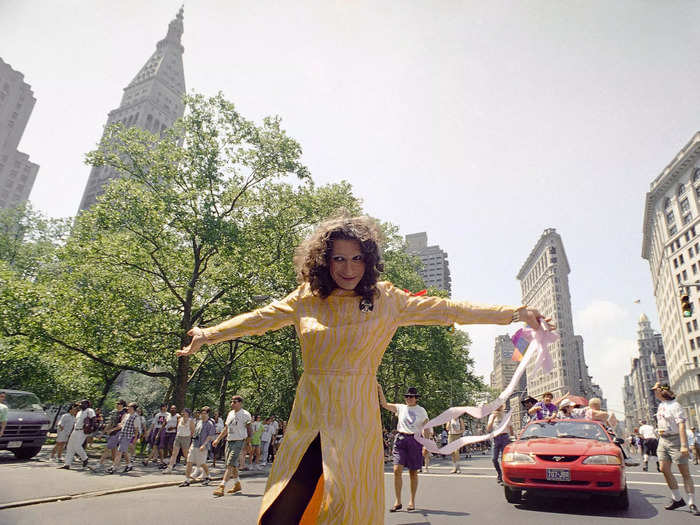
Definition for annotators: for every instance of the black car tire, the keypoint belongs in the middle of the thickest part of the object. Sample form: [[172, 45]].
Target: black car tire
[[512, 495], [26, 452], [621, 502]]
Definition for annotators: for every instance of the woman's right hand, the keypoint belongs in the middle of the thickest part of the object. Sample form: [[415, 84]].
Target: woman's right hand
[[198, 339]]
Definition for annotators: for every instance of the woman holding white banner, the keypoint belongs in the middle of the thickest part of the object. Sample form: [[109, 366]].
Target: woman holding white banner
[[330, 466]]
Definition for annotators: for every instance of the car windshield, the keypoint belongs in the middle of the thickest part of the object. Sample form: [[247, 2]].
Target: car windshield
[[24, 401], [565, 429]]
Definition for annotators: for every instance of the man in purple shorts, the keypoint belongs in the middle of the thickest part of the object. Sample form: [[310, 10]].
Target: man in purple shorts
[[112, 432], [130, 426], [167, 435], [407, 451], [157, 426]]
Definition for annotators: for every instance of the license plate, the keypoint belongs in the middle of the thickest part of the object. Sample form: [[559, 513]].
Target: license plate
[[14, 444], [558, 474]]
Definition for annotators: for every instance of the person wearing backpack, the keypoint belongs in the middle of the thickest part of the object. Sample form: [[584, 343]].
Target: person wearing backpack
[[84, 424]]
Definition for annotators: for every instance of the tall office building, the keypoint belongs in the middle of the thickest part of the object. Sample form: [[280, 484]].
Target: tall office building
[[672, 246], [503, 370], [152, 101], [436, 267], [17, 172], [544, 283], [648, 367]]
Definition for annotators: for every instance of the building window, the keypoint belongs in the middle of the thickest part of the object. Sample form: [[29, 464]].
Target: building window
[[696, 175], [667, 203], [686, 220], [685, 205], [673, 230], [670, 218], [681, 189], [692, 344], [690, 251], [688, 328], [681, 259], [695, 268], [678, 278], [675, 262]]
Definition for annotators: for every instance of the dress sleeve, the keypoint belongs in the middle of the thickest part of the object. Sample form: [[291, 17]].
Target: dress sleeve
[[426, 310], [271, 317]]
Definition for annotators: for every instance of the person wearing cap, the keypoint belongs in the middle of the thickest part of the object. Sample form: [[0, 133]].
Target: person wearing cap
[[673, 447], [527, 403], [566, 407], [407, 451], [649, 444]]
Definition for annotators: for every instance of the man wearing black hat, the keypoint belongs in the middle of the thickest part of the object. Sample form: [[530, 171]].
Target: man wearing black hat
[[527, 402], [407, 451]]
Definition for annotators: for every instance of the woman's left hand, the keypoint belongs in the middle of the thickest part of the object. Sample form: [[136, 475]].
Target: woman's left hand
[[532, 318]]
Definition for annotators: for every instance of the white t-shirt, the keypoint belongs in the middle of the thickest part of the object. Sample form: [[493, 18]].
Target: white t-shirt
[[219, 425], [410, 418], [82, 415], [67, 421], [160, 418], [455, 426], [668, 415], [236, 423], [171, 423], [267, 432], [274, 426], [647, 432]]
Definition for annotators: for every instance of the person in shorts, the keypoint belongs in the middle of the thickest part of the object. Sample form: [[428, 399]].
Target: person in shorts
[[157, 426], [237, 432], [183, 439], [112, 432], [167, 435], [455, 429], [673, 447], [204, 433], [407, 451], [129, 427]]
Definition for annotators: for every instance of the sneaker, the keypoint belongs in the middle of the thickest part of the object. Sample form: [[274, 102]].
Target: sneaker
[[128, 468], [694, 510], [675, 504], [236, 488], [499, 481], [206, 481], [644, 467], [65, 467], [453, 471], [197, 473], [110, 470], [85, 462], [631, 463], [168, 470], [185, 484], [219, 491]]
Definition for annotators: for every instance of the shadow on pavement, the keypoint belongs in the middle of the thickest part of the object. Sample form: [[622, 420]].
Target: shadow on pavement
[[639, 507]]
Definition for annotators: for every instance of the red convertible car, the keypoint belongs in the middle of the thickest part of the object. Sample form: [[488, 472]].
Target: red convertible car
[[566, 455]]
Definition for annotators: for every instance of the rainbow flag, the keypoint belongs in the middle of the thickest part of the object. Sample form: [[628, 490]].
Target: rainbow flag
[[520, 341]]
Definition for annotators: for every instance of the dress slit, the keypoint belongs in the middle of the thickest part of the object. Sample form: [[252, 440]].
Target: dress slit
[[301, 497]]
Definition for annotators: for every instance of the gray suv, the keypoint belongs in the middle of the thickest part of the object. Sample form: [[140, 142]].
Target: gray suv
[[27, 424]]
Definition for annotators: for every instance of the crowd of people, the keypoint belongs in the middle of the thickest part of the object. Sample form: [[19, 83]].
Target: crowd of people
[[194, 438]]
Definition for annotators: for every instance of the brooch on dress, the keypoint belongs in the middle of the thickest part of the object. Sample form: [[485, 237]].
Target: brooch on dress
[[366, 305]]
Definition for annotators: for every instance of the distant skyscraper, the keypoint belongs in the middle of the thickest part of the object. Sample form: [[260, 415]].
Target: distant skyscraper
[[544, 280], [648, 367], [17, 172], [672, 246], [436, 267], [152, 101]]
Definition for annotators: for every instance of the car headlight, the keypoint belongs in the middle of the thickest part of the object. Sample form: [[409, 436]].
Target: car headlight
[[515, 458], [602, 459], [45, 426]]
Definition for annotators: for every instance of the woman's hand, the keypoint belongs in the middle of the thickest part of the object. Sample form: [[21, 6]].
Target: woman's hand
[[198, 339], [532, 318]]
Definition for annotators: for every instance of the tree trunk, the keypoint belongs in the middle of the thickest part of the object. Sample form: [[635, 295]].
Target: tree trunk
[[183, 366], [223, 387], [109, 381]]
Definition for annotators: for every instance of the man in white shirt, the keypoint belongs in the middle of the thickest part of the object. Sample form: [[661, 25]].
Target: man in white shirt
[[265, 440], [649, 444], [237, 431], [407, 451], [65, 427], [157, 425], [673, 447], [77, 437]]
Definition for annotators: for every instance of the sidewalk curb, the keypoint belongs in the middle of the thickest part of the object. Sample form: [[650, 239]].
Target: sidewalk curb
[[95, 494]]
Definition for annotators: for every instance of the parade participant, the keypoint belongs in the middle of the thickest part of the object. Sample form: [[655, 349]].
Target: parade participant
[[544, 409], [255, 438], [430, 434], [673, 447], [129, 426], [167, 435], [344, 319], [112, 431], [83, 420], [499, 442], [696, 434], [217, 450], [183, 439], [237, 432], [407, 451], [455, 429], [527, 403], [157, 425], [204, 433], [566, 408], [142, 437], [649, 444], [65, 427], [265, 441]]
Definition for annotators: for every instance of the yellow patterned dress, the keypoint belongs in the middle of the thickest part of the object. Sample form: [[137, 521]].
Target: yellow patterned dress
[[336, 398]]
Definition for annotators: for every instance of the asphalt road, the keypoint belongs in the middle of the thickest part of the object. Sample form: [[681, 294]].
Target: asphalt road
[[443, 498]]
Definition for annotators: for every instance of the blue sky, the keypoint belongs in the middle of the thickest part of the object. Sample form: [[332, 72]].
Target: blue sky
[[482, 123]]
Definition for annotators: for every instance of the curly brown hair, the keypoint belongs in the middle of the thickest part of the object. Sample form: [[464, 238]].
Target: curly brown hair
[[312, 258]]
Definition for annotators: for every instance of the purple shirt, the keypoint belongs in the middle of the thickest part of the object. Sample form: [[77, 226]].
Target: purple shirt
[[202, 431], [547, 410]]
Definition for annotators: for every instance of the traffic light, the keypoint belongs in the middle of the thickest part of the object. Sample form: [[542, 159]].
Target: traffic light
[[686, 306]]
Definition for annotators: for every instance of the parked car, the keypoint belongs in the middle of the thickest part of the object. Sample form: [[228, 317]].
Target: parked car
[[27, 424], [565, 456]]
